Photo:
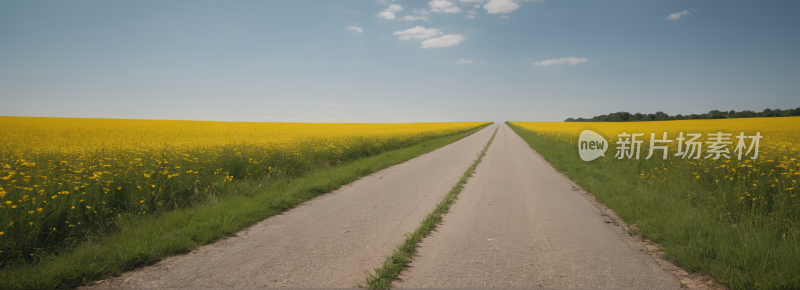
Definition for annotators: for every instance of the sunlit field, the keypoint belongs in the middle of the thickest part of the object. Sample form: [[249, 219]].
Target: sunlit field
[[765, 185], [63, 178], [730, 208]]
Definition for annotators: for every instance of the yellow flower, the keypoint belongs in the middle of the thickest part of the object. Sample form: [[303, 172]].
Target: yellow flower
[[73, 207], [39, 209], [14, 206], [8, 202], [2, 233], [88, 207], [31, 223]]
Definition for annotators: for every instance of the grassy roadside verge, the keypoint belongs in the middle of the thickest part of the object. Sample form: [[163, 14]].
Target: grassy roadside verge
[[404, 253], [146, 239], [743, 251]]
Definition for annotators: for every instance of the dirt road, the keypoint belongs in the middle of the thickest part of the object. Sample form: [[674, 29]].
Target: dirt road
[[518, 223], [330, 241]]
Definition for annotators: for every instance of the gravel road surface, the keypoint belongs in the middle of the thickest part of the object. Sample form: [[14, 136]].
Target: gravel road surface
[[330, 241], [519, 223]]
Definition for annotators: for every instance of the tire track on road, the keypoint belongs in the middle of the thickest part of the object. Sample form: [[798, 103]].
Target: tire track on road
[[519, 223]]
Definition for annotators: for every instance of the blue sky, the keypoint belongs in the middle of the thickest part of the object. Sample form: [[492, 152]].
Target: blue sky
[[395, 61]]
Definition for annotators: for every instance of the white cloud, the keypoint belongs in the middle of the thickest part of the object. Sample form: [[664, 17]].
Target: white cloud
[[354, 28], [505, 17], [443, 6], [501, 6], [476, 6], [464, 61], [388, 13], [418, 32], [473, 1], [570, 60], [414, 18], [677, 15], [444, 41], [420, 11], [471, 16]]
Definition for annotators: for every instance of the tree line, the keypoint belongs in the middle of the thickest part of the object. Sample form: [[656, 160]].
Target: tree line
[[661, 116]]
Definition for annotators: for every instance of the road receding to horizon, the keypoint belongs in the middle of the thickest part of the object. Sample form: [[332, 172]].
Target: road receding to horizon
[[517, 223], [520, 223]]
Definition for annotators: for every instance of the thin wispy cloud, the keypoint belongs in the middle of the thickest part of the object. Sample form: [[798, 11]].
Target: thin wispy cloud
[[388, 13], [568, 60], [461, 61], [677, 15], [354, 28], [444, 41], [414, 18], [420, 11]]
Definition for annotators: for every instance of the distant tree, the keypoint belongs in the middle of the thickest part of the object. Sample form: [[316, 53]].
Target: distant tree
[[623, 116], [715, 114]]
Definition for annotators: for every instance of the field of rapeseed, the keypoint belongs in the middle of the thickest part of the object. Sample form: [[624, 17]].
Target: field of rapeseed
[[723, 199], [763, 180], [62, 179]]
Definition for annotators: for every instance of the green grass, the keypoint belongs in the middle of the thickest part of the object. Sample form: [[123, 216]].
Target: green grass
[[692, 218], [403, 254], [145, 239]]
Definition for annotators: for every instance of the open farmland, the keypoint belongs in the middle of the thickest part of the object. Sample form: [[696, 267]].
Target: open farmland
[[736, 217], [62, 179]]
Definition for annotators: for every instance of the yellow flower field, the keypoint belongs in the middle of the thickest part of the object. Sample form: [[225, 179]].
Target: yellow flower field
[[764, 184], [712, 210], [60, 177]]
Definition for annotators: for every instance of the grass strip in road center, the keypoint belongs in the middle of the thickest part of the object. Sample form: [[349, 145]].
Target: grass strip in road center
[[404, 253]]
